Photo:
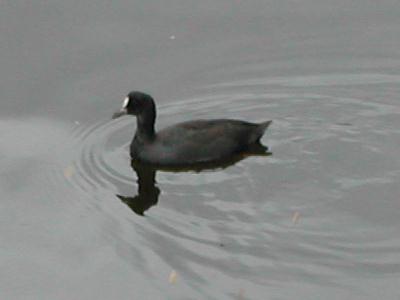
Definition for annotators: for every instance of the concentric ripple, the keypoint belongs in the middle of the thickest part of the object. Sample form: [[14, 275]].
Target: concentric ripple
[[302, 215], [93, 167]]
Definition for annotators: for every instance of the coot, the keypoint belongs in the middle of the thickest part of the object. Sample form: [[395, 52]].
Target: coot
[[187, 143]]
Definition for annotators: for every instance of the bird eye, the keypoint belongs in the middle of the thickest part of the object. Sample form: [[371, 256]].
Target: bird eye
[[125, 103]]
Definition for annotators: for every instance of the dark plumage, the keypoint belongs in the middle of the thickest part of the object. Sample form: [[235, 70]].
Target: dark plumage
[[187, 143]]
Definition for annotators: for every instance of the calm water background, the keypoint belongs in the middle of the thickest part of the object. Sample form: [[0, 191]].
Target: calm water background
[[319, 219]]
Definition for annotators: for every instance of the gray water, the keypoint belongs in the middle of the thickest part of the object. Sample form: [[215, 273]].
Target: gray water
[[318, 219]]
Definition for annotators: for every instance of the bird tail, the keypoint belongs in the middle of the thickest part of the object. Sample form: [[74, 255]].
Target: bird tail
[[258, 133], [264, 125]]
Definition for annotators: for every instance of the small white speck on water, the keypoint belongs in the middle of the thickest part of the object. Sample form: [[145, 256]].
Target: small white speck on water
[[172, 37]]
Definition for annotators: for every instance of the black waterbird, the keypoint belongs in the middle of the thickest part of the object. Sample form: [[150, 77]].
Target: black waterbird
[[188, 143]]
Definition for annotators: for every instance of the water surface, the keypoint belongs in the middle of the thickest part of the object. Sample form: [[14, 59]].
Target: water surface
[[316, 219]]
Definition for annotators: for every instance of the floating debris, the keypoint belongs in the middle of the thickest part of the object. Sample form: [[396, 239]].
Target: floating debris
[[173, 277], [172, 37], [69, 171], [295, 217], [241, 294]]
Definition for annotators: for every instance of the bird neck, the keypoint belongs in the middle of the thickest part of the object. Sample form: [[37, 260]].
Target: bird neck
[[145, 125]]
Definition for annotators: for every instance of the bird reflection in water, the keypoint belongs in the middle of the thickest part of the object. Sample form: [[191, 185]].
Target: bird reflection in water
[[148, 192]]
